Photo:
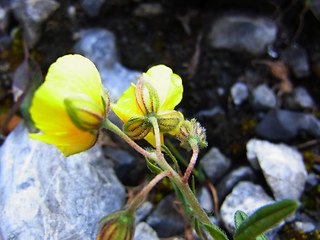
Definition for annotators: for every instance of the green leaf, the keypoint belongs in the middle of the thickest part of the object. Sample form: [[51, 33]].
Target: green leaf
[[174, 160], [239, 218], [215, 232], [264, 219], [153, 167]]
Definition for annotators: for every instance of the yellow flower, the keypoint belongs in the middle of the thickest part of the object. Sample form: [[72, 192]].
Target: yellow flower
[[70, 105], [158, 92]]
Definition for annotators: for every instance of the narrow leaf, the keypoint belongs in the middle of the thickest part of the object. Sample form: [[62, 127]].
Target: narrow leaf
[[264, 219], [174, 160], [153, 167], [215, 232], [239, 217]]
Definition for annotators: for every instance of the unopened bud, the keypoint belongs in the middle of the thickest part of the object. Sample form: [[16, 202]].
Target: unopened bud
[[117, 226], [137, 127], [192, 131], [169, 120], [147, 97]]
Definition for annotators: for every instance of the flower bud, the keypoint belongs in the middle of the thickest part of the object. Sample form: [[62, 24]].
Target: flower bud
[[137, 127], [192, 131], [117, 226], [169, 120], [147, 97]]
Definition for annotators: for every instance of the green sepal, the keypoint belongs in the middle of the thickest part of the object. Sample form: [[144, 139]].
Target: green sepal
[[147, 97], [198, 229], [215, 232], [264, 219], [84, 113], [169, 120], [137, 127]]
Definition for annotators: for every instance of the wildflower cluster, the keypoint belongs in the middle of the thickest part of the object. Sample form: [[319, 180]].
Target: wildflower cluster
[[71, 107]]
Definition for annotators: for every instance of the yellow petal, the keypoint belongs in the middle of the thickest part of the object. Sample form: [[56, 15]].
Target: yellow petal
[[69, 76], [126, 106], [74, 73], [168, 85], [152, 139], [68, 144]]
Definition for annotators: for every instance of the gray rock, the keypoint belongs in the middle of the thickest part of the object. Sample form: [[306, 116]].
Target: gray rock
[[215, 164], [210, 113], [205, 199], [47, 196], [99, 46], [165, 219], [283, 125], [144, 232], [143, 211], [148, 9], [92, 8], [304, 226], [297, 59], [282, 167], [239, 92], [227, 183], [246, 197], [243, 34], [126, 166], [31, 14], [263, 98], [312, 181], [298, 99], [4, 14]]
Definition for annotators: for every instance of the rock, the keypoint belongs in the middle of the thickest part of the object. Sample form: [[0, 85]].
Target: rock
[[210, 113], [148, 10], [31, 14], [165, 219], [143, 211], [304, 226], [243, 34], [92, 8], [312, 181], [239, 92], [298, 99], [205, 199], [297, 59], [215, 164], [4, 14], [144, 232], [284, 125], [263, 98], [231, 179], [47, 196], [246, 197], [99, 45], [282, 167], [126, 166]]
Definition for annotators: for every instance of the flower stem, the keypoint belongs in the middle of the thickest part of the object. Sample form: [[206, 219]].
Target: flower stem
[[192, 162], [114, 128], [176, 178], [156, 131], [139, 198]]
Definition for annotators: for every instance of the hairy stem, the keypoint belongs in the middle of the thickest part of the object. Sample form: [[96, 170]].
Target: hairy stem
[[195, 152], [139, 198], [112, 127]]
